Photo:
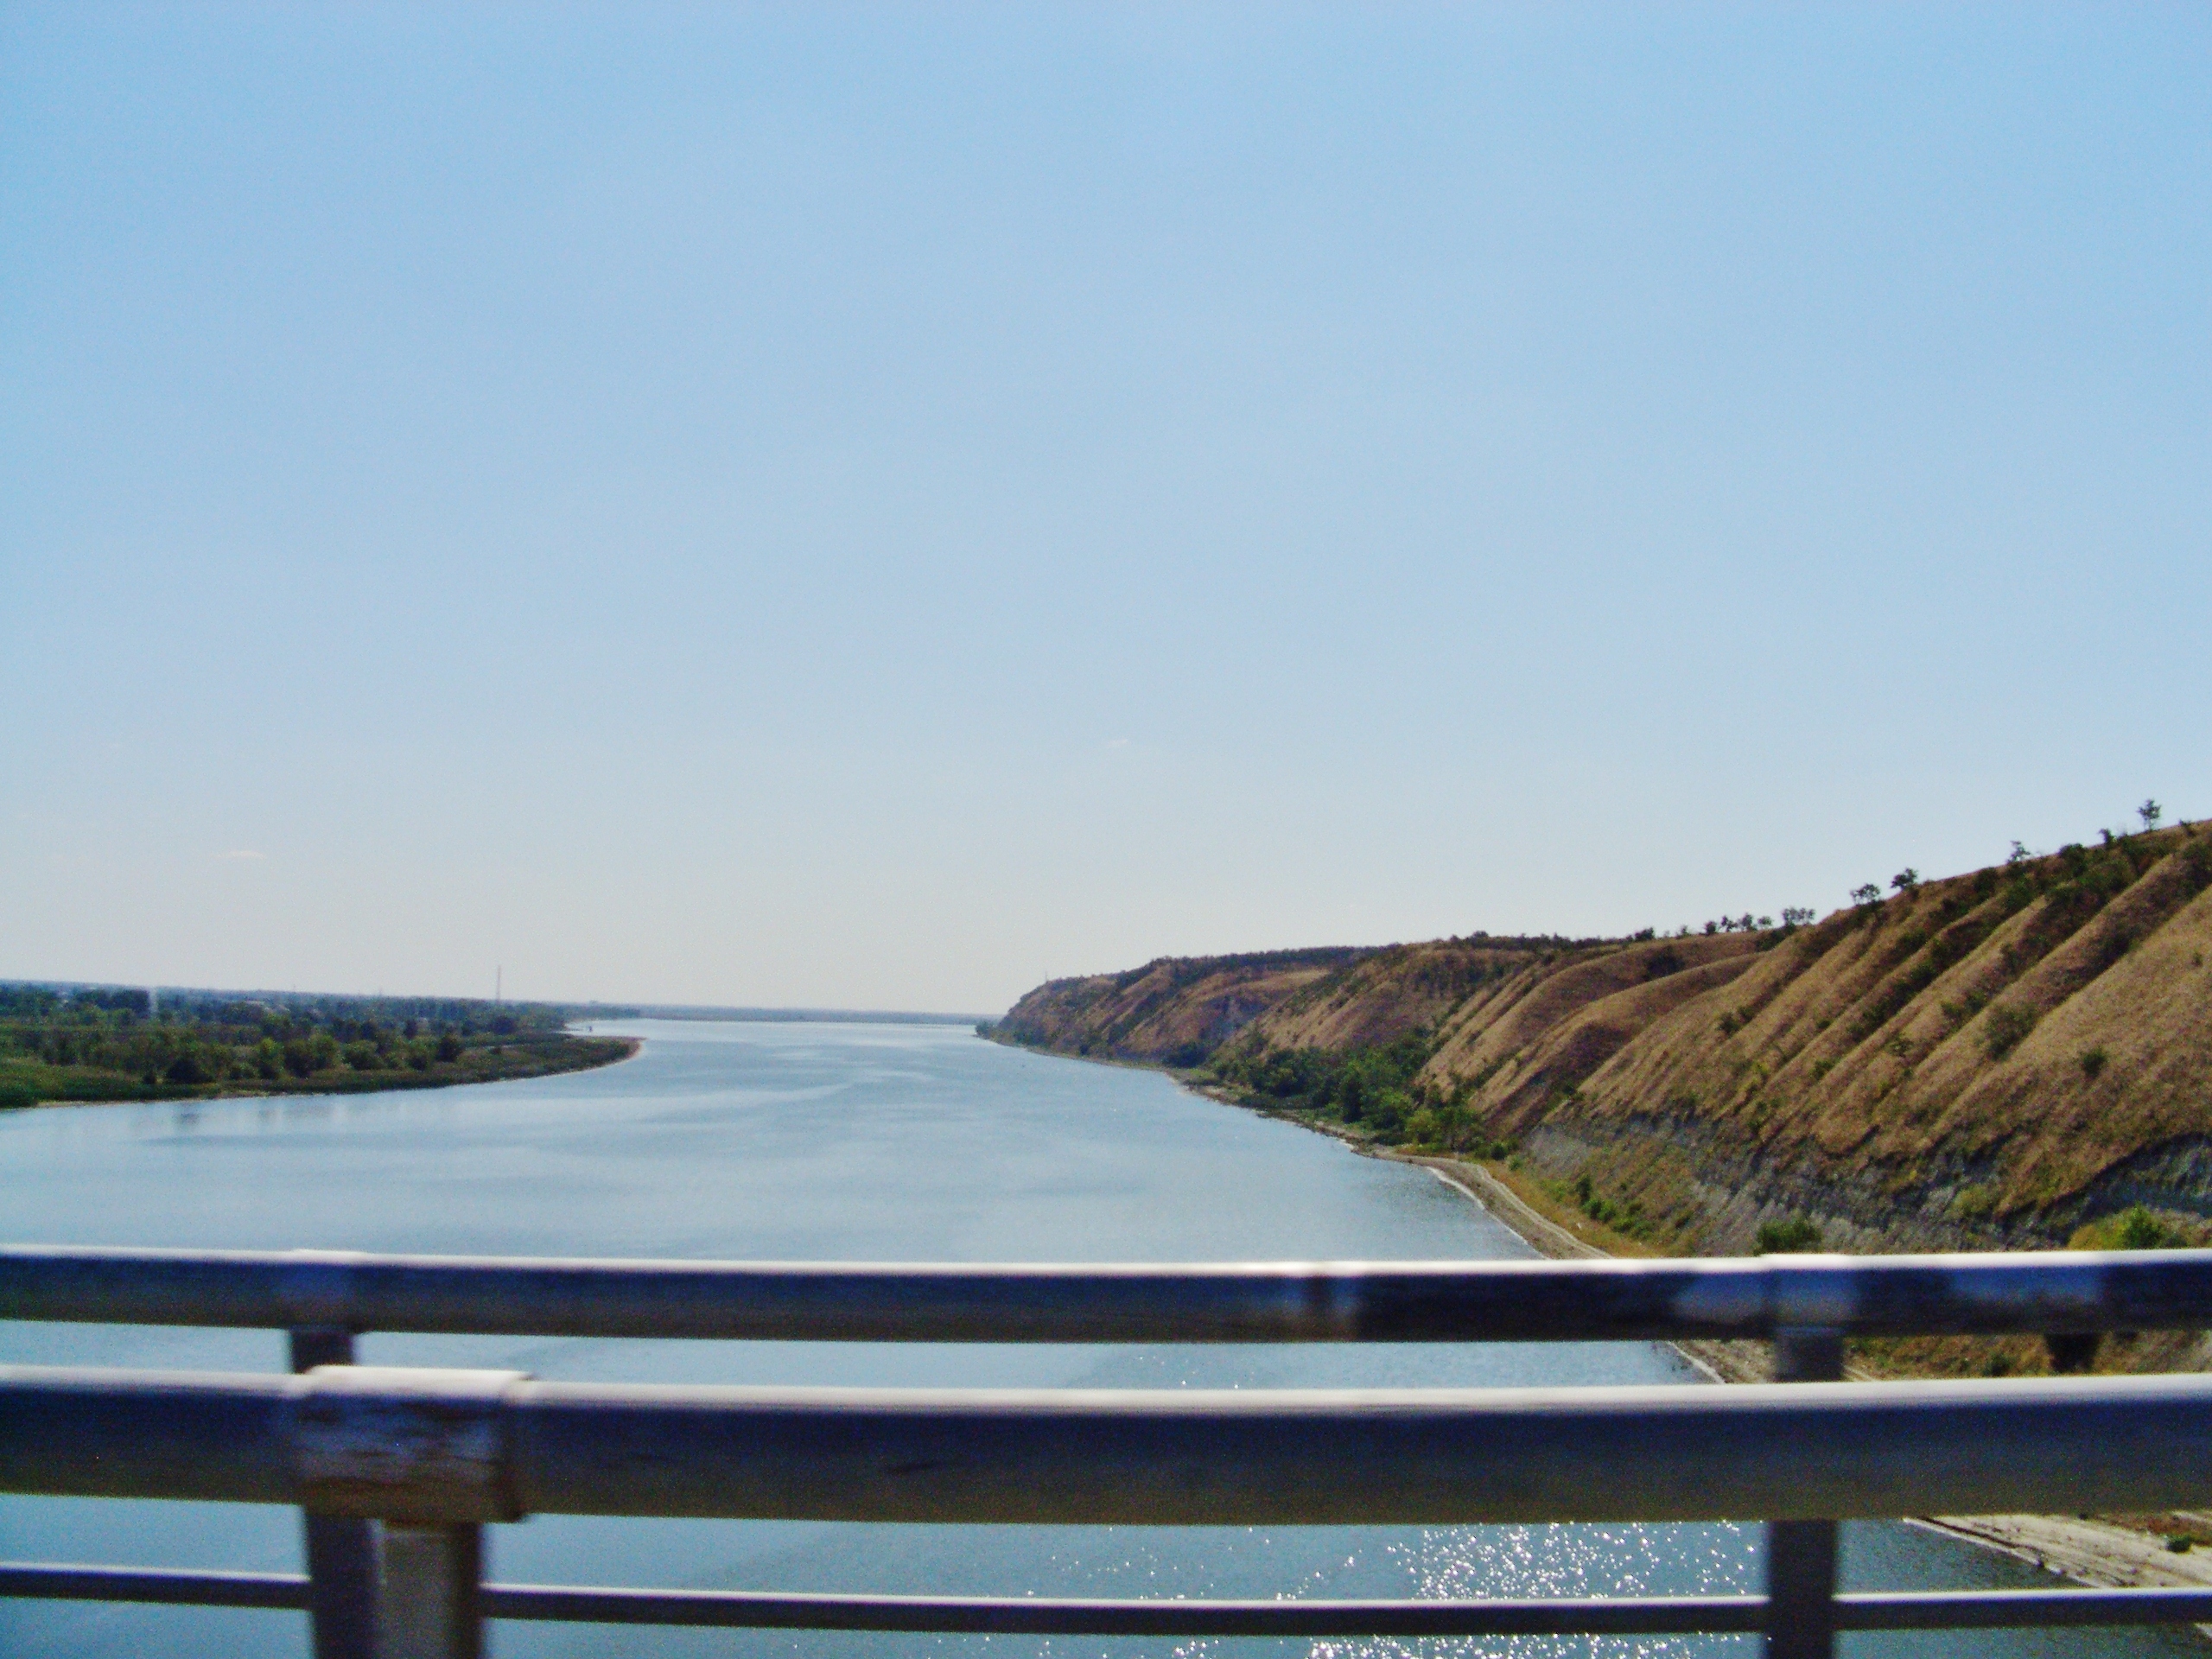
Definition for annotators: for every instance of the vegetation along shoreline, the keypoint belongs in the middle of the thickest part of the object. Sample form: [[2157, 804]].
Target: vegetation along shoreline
[[92, 1044]]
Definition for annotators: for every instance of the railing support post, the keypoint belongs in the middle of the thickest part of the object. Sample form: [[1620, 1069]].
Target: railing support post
[[1801, 1555], [431, 1605], [341, 1551]]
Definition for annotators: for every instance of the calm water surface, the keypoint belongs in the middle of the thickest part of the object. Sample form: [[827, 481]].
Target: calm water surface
[[852, 1142]]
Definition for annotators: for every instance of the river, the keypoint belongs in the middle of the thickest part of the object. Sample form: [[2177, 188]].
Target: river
[[824, 1141]]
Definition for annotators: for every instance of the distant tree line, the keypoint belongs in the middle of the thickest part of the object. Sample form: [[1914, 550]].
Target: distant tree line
[[97, 1042]]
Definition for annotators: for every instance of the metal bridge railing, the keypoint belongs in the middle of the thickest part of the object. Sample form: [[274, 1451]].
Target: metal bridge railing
[[398, 1470]]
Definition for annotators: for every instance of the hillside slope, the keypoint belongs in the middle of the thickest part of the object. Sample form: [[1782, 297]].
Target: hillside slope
[[1995, 1058], [1173, 1010]]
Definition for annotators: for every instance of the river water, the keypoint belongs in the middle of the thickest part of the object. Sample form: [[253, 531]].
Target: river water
[[822, 1141]]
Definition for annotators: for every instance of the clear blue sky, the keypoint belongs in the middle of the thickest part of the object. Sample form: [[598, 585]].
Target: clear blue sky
[[880, 506]]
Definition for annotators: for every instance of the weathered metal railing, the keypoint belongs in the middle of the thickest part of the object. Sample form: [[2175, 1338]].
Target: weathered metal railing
[[398, 1470]]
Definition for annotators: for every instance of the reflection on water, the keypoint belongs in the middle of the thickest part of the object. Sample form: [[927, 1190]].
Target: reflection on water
[[828, 1142]]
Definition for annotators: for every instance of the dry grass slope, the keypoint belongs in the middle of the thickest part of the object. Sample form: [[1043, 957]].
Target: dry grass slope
[[1992, 1059]]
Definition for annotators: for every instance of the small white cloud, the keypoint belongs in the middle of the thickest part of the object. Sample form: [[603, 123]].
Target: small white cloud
[[242, 852], [1117, 743]]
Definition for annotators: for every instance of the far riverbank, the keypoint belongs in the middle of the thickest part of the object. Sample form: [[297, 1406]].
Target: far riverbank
[[535, 1055]]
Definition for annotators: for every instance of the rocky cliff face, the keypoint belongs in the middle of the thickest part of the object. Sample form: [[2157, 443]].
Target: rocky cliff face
[[1993, 1058], [1174, 1011]]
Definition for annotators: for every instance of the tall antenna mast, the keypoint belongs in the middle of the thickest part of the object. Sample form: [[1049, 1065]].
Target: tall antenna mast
[[499, 984]]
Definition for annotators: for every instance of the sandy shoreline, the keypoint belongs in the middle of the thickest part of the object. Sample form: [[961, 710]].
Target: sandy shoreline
[[2093, 1553]]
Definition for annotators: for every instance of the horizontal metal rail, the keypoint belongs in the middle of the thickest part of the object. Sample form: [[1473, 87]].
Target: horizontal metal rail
[[1058, 1616], [2060, 1291], [167, 1586], [448, 1447], [398, 1469]]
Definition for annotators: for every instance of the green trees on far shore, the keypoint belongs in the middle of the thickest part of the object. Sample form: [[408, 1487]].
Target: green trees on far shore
[[94, 1043], [1373, 1089]]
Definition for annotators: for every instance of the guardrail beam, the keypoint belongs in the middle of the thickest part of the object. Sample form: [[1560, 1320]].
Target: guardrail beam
[[1273, 1302], [489, 1446], [399, 1469], [1911, 1610]]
